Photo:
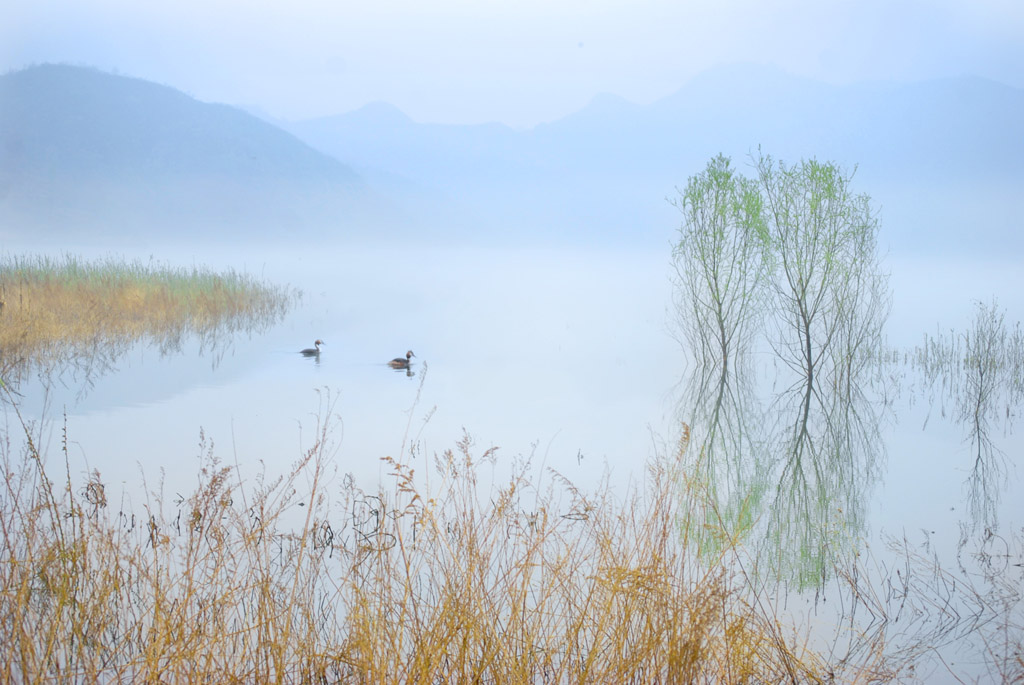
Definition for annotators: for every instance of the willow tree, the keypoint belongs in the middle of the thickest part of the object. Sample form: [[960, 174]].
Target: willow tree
[[719, 262], [829, 301], [830, 297]]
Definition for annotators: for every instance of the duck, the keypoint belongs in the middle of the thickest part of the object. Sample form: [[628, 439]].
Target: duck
[[313, 351], [400, 363]]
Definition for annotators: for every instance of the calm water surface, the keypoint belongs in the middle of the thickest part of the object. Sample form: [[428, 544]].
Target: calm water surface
[[566, 354], [560, 354], [563, 355]]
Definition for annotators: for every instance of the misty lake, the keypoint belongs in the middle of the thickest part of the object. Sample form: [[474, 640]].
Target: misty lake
[[568, 356]]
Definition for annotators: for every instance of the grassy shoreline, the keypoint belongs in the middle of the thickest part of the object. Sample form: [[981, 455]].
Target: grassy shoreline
[[433, 577], [307, 578], [53, 311], [405, 584]]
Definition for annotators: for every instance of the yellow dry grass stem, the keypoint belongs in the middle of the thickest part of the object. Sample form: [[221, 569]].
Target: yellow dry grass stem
[[53, 310], [304, 579], [294, 580]]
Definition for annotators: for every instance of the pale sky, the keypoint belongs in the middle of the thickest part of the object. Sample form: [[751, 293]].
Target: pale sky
[[521, 63]]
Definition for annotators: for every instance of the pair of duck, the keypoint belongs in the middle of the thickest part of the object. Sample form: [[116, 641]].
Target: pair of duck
[[396, 363]]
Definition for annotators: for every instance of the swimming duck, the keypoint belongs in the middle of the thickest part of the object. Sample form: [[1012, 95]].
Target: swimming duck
[[400, 363], [313, 351]]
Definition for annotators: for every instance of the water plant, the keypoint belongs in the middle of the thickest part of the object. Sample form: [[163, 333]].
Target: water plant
[[60, 313], [978, 370], [309, 578]]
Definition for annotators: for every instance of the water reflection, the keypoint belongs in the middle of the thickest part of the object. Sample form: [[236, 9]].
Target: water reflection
[[827, 450], [400, 364], [791, 471], [76, 361], [727, 442], [788, 259], [981, 371], [791, 475]]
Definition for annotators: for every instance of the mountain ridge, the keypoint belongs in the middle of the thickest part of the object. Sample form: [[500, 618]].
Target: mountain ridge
[[601, 173], [732, 109], [81, 149]]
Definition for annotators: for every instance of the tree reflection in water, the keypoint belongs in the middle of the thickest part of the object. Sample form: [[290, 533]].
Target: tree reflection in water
[[791, 476], [981, 371], [790, 472], [783, 478], [725, 456], [828, 452], [792, 255]]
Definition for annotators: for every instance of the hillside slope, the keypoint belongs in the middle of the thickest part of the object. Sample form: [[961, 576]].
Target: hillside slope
[[86, 151]]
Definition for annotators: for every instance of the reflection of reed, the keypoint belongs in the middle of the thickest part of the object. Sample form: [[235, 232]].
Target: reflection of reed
[[67, 319], [982, 372]]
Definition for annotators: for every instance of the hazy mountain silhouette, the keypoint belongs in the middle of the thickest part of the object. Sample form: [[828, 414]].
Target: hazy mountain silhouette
[[82, 151], [944, 127], [932, 154], [942, 159], [382, 136]]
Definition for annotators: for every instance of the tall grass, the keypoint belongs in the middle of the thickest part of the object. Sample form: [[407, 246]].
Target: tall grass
[[59, 311], [475, 569], [305, 579], [473, 572]]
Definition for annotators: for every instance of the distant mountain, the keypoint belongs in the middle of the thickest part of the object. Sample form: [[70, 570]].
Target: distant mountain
[[86, 151], [943, 127], [951, 126], [605, 171], [381, 136]]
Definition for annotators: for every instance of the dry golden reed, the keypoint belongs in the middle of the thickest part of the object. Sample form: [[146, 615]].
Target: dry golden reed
[[426, 580], [477, 569], [54, 311]]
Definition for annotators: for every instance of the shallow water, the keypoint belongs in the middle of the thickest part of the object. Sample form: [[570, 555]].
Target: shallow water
[[560, 354], [566, 356], [566, 353]]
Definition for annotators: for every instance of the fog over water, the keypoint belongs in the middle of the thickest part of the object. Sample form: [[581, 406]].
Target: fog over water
[[571, 356], [514, 346], [491, 188]]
